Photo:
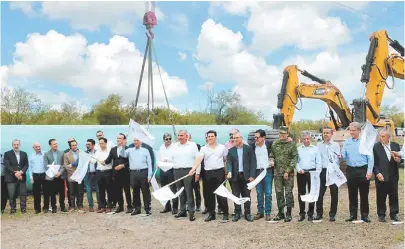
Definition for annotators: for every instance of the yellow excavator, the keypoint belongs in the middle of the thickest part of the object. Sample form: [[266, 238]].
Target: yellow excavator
[[292, 91], [378, 67]]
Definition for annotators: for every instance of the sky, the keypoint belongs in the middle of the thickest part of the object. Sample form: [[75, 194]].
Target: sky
[[83, 51]]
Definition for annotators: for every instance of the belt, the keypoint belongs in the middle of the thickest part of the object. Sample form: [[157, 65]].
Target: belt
[[183, 168], [212, 170], [104, 170], [358, 167], [138, 170], [38, 174]]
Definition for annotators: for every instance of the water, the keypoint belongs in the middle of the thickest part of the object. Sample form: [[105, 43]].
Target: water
[[28, 134]]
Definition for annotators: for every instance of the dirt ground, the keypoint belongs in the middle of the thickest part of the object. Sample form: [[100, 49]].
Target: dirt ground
[[92, 230]]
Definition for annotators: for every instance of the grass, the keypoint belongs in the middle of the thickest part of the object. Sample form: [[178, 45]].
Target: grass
[[401, 176]]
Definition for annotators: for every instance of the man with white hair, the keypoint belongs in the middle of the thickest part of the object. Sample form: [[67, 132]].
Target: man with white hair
[[358, 173], [309, 159], [387, 175], [183, 154], [37, 176]]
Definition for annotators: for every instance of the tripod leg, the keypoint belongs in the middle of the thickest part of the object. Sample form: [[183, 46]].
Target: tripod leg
[[151, 74], [143, 68]]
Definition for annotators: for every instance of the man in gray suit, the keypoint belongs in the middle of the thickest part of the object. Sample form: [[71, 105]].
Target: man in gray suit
[[57, 184]]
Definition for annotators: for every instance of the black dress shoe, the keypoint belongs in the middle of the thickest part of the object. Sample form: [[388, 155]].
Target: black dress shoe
[[381, 219], [310, 218], [136, 212], [46, 211], [37, 211], [181, 215], [129, 210], [249, 217], [23, 211], [288, 217], [119, 210], [225, 217], [395, 218], [205, 211], [54, 211], [236, 217], [174, 211], [365, 219], [352, 218], [64, 210], [148, 212], [318, 217], [166, 210], [332, 219], [198, 209], [301, 218], [279, 217], [12, 212], [191, 216], [210, 218]]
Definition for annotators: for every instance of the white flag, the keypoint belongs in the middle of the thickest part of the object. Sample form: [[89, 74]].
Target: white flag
[[155, 187], [81, 169], [315, 186], [165, 166], [224, 192], [52, 169], [258, 179], [137, 131], [367, 139], [165, 194], [334, 175]]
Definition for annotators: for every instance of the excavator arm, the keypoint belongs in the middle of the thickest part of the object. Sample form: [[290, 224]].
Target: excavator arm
[[379, 65], [292, 91]]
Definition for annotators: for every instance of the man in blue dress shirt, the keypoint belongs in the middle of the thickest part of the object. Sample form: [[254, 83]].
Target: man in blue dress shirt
[[358, 173], [37, 172], [140, 166]]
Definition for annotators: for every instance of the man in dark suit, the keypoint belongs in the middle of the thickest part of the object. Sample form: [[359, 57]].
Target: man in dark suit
[[387, 176], [4, 192], [241, 166], [120, 175], [55, 185], [66, 181], [16, 165]]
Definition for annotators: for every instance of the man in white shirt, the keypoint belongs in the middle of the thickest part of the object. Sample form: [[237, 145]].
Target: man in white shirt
[[183, 154], [168, 176], [329, 154], [214, 156], [309, 159], [100, 134], [104, 176]]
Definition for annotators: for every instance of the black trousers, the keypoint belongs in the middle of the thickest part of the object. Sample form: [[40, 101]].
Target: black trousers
[[334, 194], [38, 187], [214, 179], [197, 193], [304, 181], [68, 192], [166, 178], [59, 188], [76, 194], [50, 190], [187, 196], [357, 182], [104, 182], [139, 182], [15, 189], [121, 183], [384, 189], [4, 194], [239, 188]]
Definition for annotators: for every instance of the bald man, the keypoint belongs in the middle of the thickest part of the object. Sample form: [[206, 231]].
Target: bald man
[[37, 175]]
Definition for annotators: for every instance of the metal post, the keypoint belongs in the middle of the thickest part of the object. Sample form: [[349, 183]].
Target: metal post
[[140, 78]]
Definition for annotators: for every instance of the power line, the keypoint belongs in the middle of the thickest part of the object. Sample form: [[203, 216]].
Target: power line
[[364, 13], [388, 7]]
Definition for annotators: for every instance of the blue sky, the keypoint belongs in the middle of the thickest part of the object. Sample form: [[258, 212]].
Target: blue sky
[[81, 52]]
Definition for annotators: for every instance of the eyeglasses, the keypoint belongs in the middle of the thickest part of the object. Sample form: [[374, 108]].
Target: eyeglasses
[[167, 139], [257, 137]]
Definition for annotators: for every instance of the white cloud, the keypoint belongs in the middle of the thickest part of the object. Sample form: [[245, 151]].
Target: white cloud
[[26, 7], [207, 86], [98, 69], [182, 56], [181, 21], [119, 17], [4, 71]]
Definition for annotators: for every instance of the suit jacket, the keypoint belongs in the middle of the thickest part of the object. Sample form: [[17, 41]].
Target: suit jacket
[[202, 172], [249, 162], [388, 168], [117, 160], [11, 164], [150, 149], [48, 159], [68, 159]]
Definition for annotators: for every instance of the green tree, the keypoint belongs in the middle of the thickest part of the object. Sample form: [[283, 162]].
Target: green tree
[[109, 111]]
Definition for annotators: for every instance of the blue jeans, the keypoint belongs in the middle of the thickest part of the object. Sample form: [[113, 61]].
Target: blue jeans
[[90, 180], [266, 185]]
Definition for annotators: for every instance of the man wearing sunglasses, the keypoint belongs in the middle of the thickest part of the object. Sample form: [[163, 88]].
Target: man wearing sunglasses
[[167, 177]]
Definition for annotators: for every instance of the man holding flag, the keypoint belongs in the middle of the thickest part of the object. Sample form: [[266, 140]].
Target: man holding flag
[[359, 172]]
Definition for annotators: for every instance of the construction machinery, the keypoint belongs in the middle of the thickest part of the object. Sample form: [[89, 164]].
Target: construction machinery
[[291, 93], [378, 67]]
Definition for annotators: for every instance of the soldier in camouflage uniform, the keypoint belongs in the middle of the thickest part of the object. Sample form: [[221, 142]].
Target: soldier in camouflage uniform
[[284, 156]]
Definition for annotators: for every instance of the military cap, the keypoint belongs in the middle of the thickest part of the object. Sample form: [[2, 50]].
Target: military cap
[[283, 129]]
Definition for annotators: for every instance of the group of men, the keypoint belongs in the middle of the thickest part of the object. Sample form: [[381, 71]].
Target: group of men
[[113, 170]]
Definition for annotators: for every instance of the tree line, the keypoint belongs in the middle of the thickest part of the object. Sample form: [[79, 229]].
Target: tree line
[[19, 106]]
